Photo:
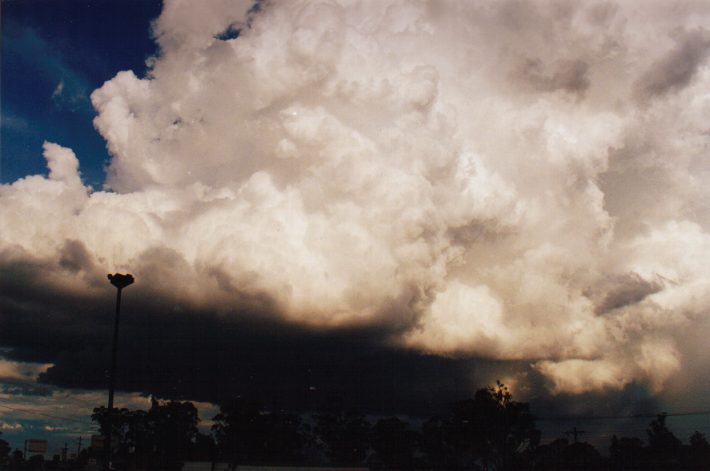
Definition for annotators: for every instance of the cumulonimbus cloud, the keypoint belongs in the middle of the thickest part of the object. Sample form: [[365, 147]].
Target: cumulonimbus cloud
[[507, 180]]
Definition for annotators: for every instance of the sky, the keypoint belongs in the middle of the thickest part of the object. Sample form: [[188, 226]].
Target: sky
[[392, 202]]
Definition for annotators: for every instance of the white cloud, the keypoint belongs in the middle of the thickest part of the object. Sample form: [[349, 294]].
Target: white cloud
[[21, 370], [580, 376], [10, 426], [482, 168], [13, 123], [461, 319], [58, 90]]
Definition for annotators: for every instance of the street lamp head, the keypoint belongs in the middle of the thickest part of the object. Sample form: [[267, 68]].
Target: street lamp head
[[121, 281]]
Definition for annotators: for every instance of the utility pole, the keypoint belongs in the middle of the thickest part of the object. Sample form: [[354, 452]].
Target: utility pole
[[119, 281]]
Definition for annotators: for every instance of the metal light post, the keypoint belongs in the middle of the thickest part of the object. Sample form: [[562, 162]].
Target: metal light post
[[119, 281]]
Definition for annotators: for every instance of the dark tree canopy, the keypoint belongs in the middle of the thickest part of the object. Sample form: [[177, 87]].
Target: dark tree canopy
[[492, 428], [162, 436], [246, 433], [394, 445], [4, 451], [344, 435], [489, 431], [664, 447]]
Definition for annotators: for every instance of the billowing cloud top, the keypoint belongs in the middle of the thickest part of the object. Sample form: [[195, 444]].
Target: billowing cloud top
[[507, 180]]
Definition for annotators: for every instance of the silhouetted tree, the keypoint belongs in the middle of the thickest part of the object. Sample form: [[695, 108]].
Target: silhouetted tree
[[246, 433], [172, 430], [550, 457], [239, 430], [394, 445], [698, 453], [4, 451], [204, 448], [664, 447], [626, 454], [492, 429], [160, 438], [438, 452], [560, 455], [581, 456], [121, 422], [698, 440], [344, 436]]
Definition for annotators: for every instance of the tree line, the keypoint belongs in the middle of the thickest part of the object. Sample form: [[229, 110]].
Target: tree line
[[489, 431]]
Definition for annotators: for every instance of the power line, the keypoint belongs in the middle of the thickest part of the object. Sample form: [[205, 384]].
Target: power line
[[619, 417], [26, 411], [93, 404]]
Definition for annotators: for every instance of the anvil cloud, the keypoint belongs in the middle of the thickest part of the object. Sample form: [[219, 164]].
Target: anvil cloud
[[512, 181]]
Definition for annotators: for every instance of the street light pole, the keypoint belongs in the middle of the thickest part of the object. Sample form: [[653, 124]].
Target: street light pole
[[119, 281]]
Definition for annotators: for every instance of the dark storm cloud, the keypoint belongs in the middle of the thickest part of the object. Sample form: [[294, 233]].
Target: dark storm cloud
[[171, 350], [74, 256], [677, 67], [624, 291], [569, 75], [633, 399]]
